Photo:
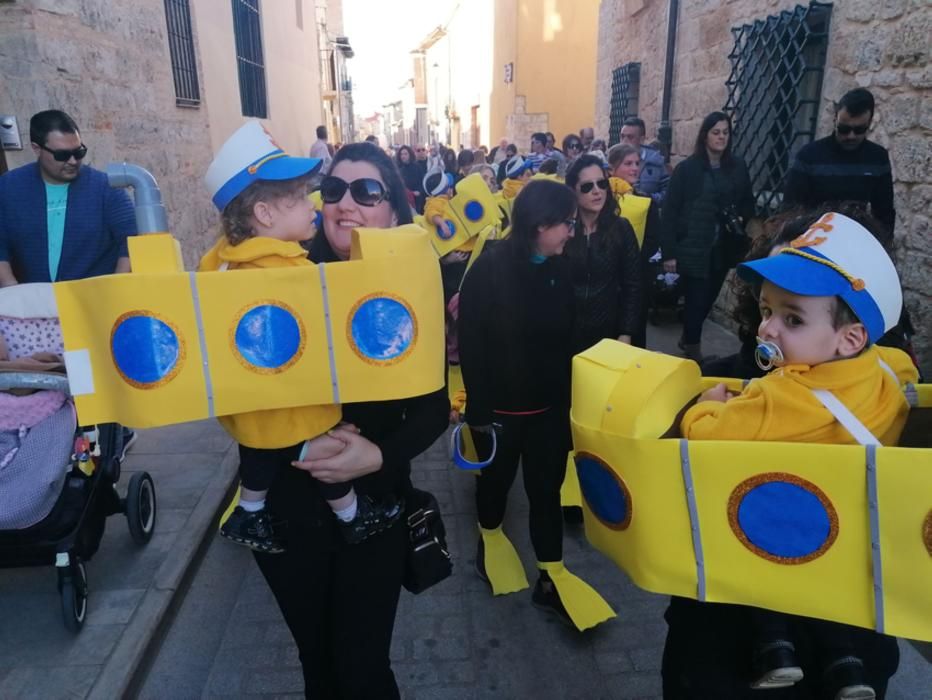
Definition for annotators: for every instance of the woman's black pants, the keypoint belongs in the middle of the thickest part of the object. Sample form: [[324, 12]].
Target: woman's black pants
[[700, 293], [340, 607], [540, 442]]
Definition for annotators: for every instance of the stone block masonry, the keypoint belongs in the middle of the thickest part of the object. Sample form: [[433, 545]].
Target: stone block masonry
[[883, 46]]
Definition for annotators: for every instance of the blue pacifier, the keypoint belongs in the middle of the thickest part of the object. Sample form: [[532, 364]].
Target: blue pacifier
[[767, 355]]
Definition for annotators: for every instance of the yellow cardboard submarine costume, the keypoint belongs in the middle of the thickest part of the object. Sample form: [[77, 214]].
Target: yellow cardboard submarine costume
[[162, 346], [837, 532]]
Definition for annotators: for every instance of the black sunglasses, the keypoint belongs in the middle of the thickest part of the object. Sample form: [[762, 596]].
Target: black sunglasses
[[586, 187], [845, 129], [365, 191], [63, 155], [575, 146]]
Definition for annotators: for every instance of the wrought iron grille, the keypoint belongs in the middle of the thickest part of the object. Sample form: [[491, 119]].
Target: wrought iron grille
[[181, 49], [774, 91], [249, 59], [626, 88]]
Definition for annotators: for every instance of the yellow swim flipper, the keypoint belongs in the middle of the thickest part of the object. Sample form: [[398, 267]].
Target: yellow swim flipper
[[585, 607], [570, 495], [501, 563]]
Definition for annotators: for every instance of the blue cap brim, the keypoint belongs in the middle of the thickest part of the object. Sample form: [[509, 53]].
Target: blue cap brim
[[799, 275]]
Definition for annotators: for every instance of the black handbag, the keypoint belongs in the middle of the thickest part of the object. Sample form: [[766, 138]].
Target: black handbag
[[427, 561]]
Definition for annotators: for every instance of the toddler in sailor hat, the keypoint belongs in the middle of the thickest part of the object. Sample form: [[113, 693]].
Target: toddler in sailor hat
[[262, 194], [825, 300]]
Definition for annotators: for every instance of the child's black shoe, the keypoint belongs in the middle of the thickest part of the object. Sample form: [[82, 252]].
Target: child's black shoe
[[844, 680], [371, 518], [252, 529], [775, 665]]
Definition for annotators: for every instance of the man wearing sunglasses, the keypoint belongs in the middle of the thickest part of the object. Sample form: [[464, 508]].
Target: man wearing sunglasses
[[845, 165], [60, 219]]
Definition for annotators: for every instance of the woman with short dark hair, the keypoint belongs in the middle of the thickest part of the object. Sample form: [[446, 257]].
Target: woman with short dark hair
[[707, 206], [412, 174], [516, 320]]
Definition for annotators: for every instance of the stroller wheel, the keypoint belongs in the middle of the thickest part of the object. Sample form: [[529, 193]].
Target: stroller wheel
[[140, 507], [72, 586]]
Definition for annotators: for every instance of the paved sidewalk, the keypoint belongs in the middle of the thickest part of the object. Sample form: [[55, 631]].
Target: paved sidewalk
[[130, 588], [454, 641]]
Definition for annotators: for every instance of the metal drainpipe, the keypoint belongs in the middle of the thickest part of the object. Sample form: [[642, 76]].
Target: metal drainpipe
[[665, 132], [150, 213]]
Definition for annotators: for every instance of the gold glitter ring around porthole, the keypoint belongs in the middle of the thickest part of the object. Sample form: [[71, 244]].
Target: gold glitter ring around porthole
[[353, 342], [748, 485], [259, 369], [181, 350], [927, 532]]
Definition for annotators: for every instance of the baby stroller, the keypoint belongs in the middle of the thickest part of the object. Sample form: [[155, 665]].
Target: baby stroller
[[57, 478], [665, 292]]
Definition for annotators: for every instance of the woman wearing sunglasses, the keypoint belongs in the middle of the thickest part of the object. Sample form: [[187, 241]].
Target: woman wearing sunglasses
[[515, 324], [707, 205], [340, 601], [604, 260]]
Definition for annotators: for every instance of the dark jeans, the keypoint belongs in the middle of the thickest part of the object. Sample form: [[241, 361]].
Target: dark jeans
[[258, 469], [708, 652], [340, 607], [541, 443], [700, 293]]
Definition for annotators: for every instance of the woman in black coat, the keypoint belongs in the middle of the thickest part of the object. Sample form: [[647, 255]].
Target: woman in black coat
[[605, 262], [515, 340], [339, 600], [707, 205], [412, 174]]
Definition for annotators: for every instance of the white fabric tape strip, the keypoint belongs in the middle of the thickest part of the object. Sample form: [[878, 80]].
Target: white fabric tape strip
[[80, 374]]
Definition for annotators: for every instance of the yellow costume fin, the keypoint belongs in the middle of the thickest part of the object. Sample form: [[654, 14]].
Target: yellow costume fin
[[583, 604], [502, 565], [231, 506], [570, 495]]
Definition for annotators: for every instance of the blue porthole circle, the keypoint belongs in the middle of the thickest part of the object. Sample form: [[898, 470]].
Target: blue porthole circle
[[147, 350], [442, 232], [605, 492], [382, 329], [473, 210], [268, 337], [783, 518]]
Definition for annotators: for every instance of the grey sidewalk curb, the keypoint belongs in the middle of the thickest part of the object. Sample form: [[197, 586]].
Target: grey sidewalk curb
[[118, 674]]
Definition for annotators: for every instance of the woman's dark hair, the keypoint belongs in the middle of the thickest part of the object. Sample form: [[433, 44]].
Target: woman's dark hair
[[372, 154], [465, 159], [781, 229], [610, 208], [411, 158], [539, 203], [569, 139], [448, 156], [710, 121], [511, 150], [549, 167]]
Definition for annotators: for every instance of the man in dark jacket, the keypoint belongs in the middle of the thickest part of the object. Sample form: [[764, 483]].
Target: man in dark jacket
[[845, 165], [59, 219], [654, 177]]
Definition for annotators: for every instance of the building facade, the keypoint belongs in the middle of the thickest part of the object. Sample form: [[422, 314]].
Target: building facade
[[777, 66], [163, 83]]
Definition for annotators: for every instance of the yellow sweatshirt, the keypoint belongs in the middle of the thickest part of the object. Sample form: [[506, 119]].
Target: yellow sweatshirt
[[782, 408], [276, 427]]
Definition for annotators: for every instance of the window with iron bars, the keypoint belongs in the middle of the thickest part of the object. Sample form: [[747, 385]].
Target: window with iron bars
[[249, 59], [774, 89], [626, 88], [181, 49]]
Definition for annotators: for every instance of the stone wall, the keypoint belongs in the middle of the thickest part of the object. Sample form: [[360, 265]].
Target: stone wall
[[884, 46], [519, 125], [107, 63]]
